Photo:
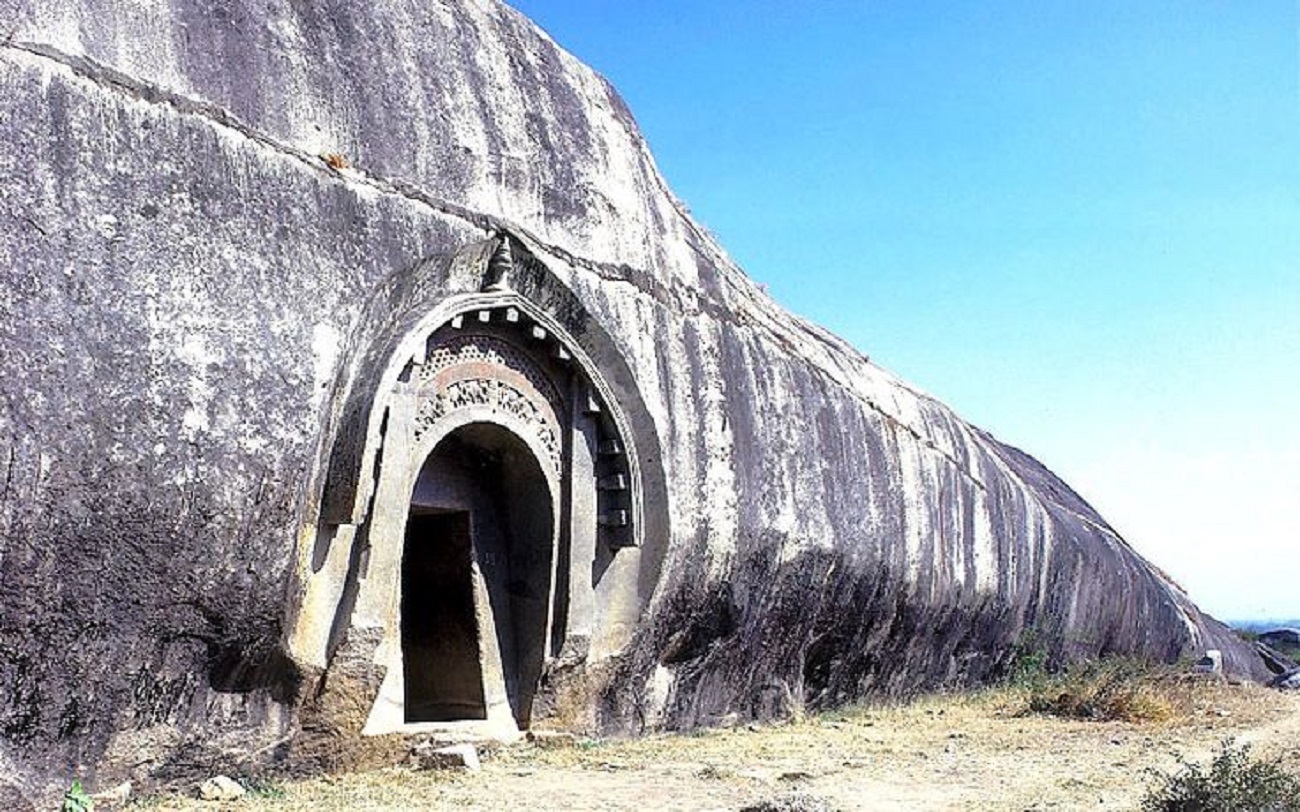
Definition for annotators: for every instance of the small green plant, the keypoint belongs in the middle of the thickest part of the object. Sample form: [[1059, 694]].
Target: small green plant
[[1234, 782], [76, 799], [262, 787], [1029, 660]]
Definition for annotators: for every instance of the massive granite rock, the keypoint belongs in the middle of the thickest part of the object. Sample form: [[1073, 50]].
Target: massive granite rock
[[294, 294]]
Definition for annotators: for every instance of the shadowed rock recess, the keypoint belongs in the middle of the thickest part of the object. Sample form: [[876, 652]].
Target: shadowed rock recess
[[362, 378]]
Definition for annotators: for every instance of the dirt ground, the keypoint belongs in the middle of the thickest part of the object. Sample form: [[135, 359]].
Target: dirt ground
[[941, 753]]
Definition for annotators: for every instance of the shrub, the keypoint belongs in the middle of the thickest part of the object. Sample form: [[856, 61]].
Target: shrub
[[76, 799], [1114, 689], [262, 787], [1028, 668], [1233, 782]]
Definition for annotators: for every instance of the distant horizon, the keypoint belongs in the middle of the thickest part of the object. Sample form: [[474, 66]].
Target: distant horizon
[[1078, 227], [1255, 624]]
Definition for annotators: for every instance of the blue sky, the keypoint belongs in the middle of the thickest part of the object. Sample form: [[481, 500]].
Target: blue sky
[[1078, 224]]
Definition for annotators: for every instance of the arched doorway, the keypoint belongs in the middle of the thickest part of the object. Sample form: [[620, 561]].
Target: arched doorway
[[477, 577], [481, 358]]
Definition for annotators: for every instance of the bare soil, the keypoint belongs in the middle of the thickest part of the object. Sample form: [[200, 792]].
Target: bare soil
[[969, 752]]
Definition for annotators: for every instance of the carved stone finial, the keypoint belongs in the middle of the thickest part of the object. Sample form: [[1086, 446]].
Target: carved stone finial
[[499, 267]]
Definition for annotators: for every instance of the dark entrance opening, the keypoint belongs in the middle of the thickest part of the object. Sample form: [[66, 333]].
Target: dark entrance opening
[[440, 635], [484, 503]]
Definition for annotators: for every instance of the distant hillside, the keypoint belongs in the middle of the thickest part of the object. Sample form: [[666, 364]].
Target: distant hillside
[[1258, 626]]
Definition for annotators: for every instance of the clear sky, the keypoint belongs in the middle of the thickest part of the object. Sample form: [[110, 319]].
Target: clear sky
[[1078, 224]]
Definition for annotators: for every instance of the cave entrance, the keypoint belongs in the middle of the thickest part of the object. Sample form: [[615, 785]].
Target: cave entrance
[[440, 635], [477, 578]]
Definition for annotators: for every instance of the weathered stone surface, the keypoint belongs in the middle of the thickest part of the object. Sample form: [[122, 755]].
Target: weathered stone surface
[[221, 788], [552, 739], [1275, 661], [113, 797], [427, 756], [1211, 663], [12, 798], [204, 331], [1281, 638]]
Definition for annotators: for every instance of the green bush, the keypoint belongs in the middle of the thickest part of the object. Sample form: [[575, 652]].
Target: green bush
[[262, 787], [1029, 662], [1234, 782], [76, 799]]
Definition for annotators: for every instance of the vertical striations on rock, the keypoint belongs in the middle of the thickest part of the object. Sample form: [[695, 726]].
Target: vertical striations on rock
[[247, 254]]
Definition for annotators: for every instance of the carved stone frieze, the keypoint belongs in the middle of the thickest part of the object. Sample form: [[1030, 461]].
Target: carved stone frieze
[[498, 396], [477, 371]]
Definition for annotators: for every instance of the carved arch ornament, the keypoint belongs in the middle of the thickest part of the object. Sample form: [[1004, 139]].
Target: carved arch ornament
[[501, 327], [501, 358], [491, 355]]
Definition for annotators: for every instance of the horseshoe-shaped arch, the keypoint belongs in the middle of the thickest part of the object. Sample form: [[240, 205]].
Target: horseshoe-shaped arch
[[504, 381]]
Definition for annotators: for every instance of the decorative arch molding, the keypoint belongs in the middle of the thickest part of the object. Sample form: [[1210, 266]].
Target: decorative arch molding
[[500, 274], [507, 344], [501, 353]]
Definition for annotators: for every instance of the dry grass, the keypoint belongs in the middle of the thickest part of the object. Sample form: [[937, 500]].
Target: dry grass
[[970, 752], [1113, 690]]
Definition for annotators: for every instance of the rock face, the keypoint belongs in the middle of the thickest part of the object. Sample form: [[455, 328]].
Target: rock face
[[358, 372], [1283, 639]]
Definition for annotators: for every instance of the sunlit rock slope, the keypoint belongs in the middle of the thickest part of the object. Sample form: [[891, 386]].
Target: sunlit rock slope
[[220, 223]]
